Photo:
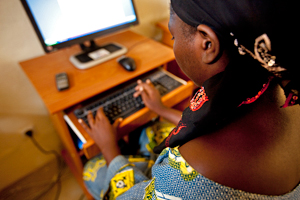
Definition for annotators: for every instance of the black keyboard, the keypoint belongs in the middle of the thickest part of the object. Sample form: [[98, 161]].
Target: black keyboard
[[119, 102]]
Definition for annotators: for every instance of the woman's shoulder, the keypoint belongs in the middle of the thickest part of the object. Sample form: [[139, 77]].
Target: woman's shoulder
[[246, 160], [174, 176]]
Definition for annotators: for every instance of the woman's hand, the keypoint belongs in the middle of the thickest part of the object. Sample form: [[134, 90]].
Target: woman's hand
[[103, 133], [150, 95], [152, 100]]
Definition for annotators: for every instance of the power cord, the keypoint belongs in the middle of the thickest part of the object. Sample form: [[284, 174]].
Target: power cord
[[138, 43], [59, 166], [82, 197]]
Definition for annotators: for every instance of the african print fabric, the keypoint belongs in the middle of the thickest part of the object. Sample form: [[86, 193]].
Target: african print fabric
[[172, 179]]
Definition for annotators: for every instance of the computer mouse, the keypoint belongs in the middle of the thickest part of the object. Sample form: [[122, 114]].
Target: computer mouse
[[127, 63]]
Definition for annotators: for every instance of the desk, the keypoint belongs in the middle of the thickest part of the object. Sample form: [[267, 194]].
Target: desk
[[85, 84]]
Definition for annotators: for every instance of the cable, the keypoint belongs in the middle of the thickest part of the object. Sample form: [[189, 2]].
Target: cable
[[138, 43], [59, 165], [81, 197]]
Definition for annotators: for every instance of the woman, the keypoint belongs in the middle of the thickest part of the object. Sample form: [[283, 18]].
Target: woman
[[239, 137]]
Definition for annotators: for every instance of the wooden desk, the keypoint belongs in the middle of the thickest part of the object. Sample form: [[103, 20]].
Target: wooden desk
[[85, 84]]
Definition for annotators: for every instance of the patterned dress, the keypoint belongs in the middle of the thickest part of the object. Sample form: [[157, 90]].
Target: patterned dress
[[172, 178]]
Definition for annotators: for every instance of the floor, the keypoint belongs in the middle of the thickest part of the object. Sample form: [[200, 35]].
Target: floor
[[42, 185]]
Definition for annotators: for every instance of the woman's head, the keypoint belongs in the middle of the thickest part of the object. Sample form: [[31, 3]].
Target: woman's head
[[261, 29], [197, 50], [232, 48]]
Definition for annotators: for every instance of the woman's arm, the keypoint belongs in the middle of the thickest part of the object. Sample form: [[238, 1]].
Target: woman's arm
[[104, 134]]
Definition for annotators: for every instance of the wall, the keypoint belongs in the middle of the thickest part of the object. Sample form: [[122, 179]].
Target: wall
[[20, 105]]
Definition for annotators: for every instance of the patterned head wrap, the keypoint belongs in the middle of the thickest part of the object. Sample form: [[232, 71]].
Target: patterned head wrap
[[262, 36]]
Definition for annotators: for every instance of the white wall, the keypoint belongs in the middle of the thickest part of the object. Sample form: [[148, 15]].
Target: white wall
[[20, 105]]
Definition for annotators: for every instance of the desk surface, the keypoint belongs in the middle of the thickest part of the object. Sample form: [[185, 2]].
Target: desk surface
[[84, 84]]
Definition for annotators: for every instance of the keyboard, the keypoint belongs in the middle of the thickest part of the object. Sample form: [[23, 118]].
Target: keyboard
[[119, 101]]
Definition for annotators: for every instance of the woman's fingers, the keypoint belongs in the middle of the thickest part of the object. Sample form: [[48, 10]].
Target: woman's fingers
[[90, 118], [85, 127], [139, 90], [100, 114], [117, 122], [143, 87]]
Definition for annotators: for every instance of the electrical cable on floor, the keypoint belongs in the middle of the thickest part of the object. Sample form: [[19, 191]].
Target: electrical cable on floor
[[59, 165], [82, 197]]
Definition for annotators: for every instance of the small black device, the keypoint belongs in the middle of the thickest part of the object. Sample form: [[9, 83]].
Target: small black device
[[62, 81], [127, 63]]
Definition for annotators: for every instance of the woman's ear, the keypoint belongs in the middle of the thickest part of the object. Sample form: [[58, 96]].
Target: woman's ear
[[210, 44]]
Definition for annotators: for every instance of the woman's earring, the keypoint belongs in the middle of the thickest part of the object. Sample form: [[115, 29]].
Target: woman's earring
[[209, 45]]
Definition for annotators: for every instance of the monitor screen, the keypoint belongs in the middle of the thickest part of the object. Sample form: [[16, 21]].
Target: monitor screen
[[61, 23]]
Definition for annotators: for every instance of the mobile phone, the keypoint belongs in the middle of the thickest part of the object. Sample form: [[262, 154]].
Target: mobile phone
[[62, 81]]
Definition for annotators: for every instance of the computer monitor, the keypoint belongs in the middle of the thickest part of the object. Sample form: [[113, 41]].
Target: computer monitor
[[62, 23]]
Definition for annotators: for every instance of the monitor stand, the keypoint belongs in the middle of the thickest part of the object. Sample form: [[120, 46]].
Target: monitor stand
[[93, 55]]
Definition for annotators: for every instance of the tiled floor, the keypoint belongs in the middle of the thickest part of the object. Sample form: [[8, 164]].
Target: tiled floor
[[38, 186]]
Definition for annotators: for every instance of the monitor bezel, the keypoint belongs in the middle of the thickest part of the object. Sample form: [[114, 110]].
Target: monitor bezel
[[79, 40]]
